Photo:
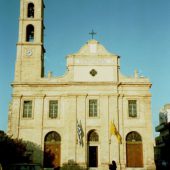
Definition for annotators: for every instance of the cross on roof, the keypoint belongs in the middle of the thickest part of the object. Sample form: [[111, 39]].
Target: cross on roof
[[92, 33]]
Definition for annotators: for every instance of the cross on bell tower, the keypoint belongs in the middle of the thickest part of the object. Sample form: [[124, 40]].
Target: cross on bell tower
[[92, 33]]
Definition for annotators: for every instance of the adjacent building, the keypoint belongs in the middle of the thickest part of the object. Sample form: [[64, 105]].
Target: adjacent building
[[162, 149], [91, 115]]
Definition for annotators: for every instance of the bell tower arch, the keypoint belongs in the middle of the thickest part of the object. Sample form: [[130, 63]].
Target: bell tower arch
[[30, 48]]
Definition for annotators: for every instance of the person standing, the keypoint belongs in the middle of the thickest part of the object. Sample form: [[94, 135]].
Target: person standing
[[112, 166]]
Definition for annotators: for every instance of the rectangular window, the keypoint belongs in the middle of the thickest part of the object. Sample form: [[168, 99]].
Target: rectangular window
[[53, 109], [93, 108], [27, 109], [132, 106]]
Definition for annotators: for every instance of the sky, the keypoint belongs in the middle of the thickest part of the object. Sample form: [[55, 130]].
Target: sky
[[136, 30]]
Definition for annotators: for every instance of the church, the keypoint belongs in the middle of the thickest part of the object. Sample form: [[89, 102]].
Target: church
[[91, 115]]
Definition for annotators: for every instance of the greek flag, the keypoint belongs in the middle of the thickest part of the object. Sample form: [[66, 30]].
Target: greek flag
[[80, 133]]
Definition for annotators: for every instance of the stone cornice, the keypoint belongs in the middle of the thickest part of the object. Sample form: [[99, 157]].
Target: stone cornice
[[30, 44], [135, 84], [82, 94], [21, 95], [31, 19], [54, 84]]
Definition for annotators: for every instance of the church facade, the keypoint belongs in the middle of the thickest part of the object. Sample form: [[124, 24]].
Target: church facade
[[91, 115]]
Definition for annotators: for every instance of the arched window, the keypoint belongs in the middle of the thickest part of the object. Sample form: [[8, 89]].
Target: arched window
[[133, 137], [30, 11], [30, 33], [52, 137], [93, 136]]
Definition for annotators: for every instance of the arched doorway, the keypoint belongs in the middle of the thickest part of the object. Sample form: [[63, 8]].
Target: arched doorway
[[93, 140], [52, 150], [134, 150]]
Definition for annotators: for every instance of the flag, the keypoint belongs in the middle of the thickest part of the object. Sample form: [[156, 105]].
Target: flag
[[80, 133], [114, 131], [119, 138]]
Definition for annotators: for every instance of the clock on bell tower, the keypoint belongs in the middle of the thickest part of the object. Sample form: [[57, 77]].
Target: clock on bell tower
[[30, 49]]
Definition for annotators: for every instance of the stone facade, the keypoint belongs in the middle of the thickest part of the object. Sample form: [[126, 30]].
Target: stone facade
[[93, 75]]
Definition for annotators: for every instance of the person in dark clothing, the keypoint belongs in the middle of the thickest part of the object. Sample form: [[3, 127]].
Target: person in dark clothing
[[112, 166]]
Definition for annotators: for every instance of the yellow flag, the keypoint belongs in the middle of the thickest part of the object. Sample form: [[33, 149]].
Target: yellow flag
[[114, 131], [119, 138]]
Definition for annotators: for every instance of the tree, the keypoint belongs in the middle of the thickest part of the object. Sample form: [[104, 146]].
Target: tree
[[11, 150]]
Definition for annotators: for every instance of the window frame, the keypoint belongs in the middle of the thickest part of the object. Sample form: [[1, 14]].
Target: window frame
[[93, 136], [26, 116], [95, 111], [133, 136], [57, 114], [132, 112]]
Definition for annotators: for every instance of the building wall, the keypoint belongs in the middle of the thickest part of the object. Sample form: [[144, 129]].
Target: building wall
[[73, 106]]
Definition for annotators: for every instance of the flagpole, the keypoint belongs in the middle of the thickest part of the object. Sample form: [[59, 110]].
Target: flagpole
[[109, 129], [76, 133], [118, 129], [85, 132]]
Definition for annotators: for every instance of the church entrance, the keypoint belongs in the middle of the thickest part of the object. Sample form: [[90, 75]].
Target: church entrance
[[93, 156], [52, 150], [134, 151], [93, 140]]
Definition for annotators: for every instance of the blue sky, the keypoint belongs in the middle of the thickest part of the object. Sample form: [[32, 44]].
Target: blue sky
[[137, 30]]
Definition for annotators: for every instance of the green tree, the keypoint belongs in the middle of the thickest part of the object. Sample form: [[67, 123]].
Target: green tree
[[11, 150]]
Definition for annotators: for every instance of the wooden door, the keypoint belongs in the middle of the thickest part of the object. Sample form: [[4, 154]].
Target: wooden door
[[52, 155], [93, 156], [134, 154]]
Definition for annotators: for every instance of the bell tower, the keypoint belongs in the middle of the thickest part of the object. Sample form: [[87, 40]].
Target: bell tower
[[30, 49]]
